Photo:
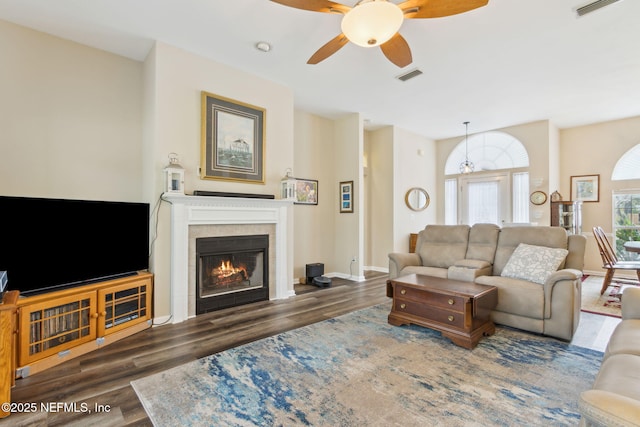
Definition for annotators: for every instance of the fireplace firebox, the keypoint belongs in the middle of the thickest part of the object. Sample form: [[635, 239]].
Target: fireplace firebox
[[231, 271]]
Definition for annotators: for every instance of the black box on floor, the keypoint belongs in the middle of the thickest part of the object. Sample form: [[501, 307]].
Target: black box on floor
[[314, 270]]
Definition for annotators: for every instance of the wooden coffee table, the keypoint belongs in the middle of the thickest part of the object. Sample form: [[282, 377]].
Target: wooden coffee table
[[459, 310]]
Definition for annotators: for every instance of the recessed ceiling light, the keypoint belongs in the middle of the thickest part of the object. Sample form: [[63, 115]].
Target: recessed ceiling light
[[263, 46]]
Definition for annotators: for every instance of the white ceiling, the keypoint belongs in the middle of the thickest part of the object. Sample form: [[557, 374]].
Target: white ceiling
[[511, 62]]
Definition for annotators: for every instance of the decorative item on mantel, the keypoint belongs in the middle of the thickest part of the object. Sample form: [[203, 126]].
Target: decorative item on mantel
[[556, 197], [174, 174], [288, 186]]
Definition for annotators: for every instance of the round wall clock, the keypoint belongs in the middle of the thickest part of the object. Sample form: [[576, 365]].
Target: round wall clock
[[538, 197]]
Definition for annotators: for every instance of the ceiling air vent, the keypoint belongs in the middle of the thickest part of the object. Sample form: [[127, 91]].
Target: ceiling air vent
[[581, 11], [411, 74]]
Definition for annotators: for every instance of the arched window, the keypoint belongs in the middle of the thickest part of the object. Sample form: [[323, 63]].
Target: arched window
[[488, 151], [626, 204], [628, 166], [485, 197]]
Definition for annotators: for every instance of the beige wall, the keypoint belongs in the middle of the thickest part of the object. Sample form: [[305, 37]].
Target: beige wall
[[174, 126], [397, 161], [595, 149], [348, 241], [378, 192], [414, 166], [70, 119], [313, 224]]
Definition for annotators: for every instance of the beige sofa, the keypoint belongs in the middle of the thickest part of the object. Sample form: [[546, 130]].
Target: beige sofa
[[614, 399], [483, 254]]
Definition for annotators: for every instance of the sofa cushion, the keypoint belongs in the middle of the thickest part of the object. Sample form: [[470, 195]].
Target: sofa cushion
[[515, 296], [625, 338], [511, 237], [483, 239], [620, 374], [426, 271], [533, 263], [442, 245]]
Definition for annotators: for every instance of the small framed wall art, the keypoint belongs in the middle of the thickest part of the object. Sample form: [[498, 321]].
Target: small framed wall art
[[585, 188], [233, 140], [306, 192], [346, 197]]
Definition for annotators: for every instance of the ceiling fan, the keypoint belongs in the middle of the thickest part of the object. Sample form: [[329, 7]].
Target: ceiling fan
[[376, 23]]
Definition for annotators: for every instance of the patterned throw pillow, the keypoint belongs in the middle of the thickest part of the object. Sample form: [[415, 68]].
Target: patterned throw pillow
[[533, 263]]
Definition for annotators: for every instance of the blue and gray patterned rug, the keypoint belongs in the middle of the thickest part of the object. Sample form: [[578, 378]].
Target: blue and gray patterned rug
[[357, 370]]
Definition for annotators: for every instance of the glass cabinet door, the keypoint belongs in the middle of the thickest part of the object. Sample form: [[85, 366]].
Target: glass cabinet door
[[52, 326], [124, 305]]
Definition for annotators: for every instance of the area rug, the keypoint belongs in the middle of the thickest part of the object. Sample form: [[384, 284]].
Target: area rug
[[608, 303], [357, 370]]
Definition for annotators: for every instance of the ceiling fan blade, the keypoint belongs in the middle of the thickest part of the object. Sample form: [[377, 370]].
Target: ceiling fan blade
[[328, 49], [397, 51], [438, 8], [325, 6]]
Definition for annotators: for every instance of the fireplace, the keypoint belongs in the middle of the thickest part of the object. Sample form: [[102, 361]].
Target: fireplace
[[194, 217], [231, 271]]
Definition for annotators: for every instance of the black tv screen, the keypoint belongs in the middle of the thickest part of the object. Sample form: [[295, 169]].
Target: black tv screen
[[50, 244]]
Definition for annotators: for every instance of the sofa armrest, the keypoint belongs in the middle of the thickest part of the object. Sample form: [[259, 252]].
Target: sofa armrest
[[399, 260], [468, 269], [631, 303], [567, 276], [604, 408]]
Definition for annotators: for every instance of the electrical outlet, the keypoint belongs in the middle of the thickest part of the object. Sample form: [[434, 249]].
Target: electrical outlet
[[353, 258]]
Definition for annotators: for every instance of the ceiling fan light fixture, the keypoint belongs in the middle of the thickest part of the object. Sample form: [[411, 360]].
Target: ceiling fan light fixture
[[372, 23]]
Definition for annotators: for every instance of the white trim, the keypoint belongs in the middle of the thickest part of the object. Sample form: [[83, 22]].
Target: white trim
[[206, 210]]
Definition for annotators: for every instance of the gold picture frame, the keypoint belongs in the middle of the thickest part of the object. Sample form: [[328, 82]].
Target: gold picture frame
[[233, 140]]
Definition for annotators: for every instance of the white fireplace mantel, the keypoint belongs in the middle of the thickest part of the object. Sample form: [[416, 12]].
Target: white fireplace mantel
[[210, 210]]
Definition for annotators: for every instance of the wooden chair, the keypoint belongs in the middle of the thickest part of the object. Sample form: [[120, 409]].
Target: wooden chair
[[610, 260]]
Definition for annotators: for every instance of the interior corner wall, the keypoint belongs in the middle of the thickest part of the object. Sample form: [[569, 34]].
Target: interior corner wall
[[378, 194], [348, 149], [314, 158], [180, 77], [414, 165], [554, 159], [595, 149], [70, 117]]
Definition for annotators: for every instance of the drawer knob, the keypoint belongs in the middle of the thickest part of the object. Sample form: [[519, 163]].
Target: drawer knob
[[450, 301], [450, 318], [403, 306], [403, 291]]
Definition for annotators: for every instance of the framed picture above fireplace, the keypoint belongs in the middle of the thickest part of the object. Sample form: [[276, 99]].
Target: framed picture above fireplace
[[233, 140]]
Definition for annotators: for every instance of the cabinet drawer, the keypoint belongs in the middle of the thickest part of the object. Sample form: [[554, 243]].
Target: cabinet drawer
[[433, 299], [428, 312]]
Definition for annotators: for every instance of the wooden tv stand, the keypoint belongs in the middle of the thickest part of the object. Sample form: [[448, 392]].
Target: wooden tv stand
[[7, 347], [58, 326]]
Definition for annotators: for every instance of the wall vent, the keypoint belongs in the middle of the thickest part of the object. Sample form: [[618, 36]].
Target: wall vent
[[581, 11], [407, 76]]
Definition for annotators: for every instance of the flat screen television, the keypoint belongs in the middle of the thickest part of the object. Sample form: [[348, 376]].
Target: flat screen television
[[51, 244]]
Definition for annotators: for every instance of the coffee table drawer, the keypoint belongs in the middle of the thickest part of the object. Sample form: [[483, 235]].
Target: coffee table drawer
[[450, 302], [430, 312]]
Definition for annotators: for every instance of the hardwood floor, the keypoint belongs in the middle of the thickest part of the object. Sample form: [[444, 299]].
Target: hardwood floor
[[103, 376]]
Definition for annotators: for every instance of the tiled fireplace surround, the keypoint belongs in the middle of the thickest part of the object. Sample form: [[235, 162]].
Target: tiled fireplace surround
[[203, 216]]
